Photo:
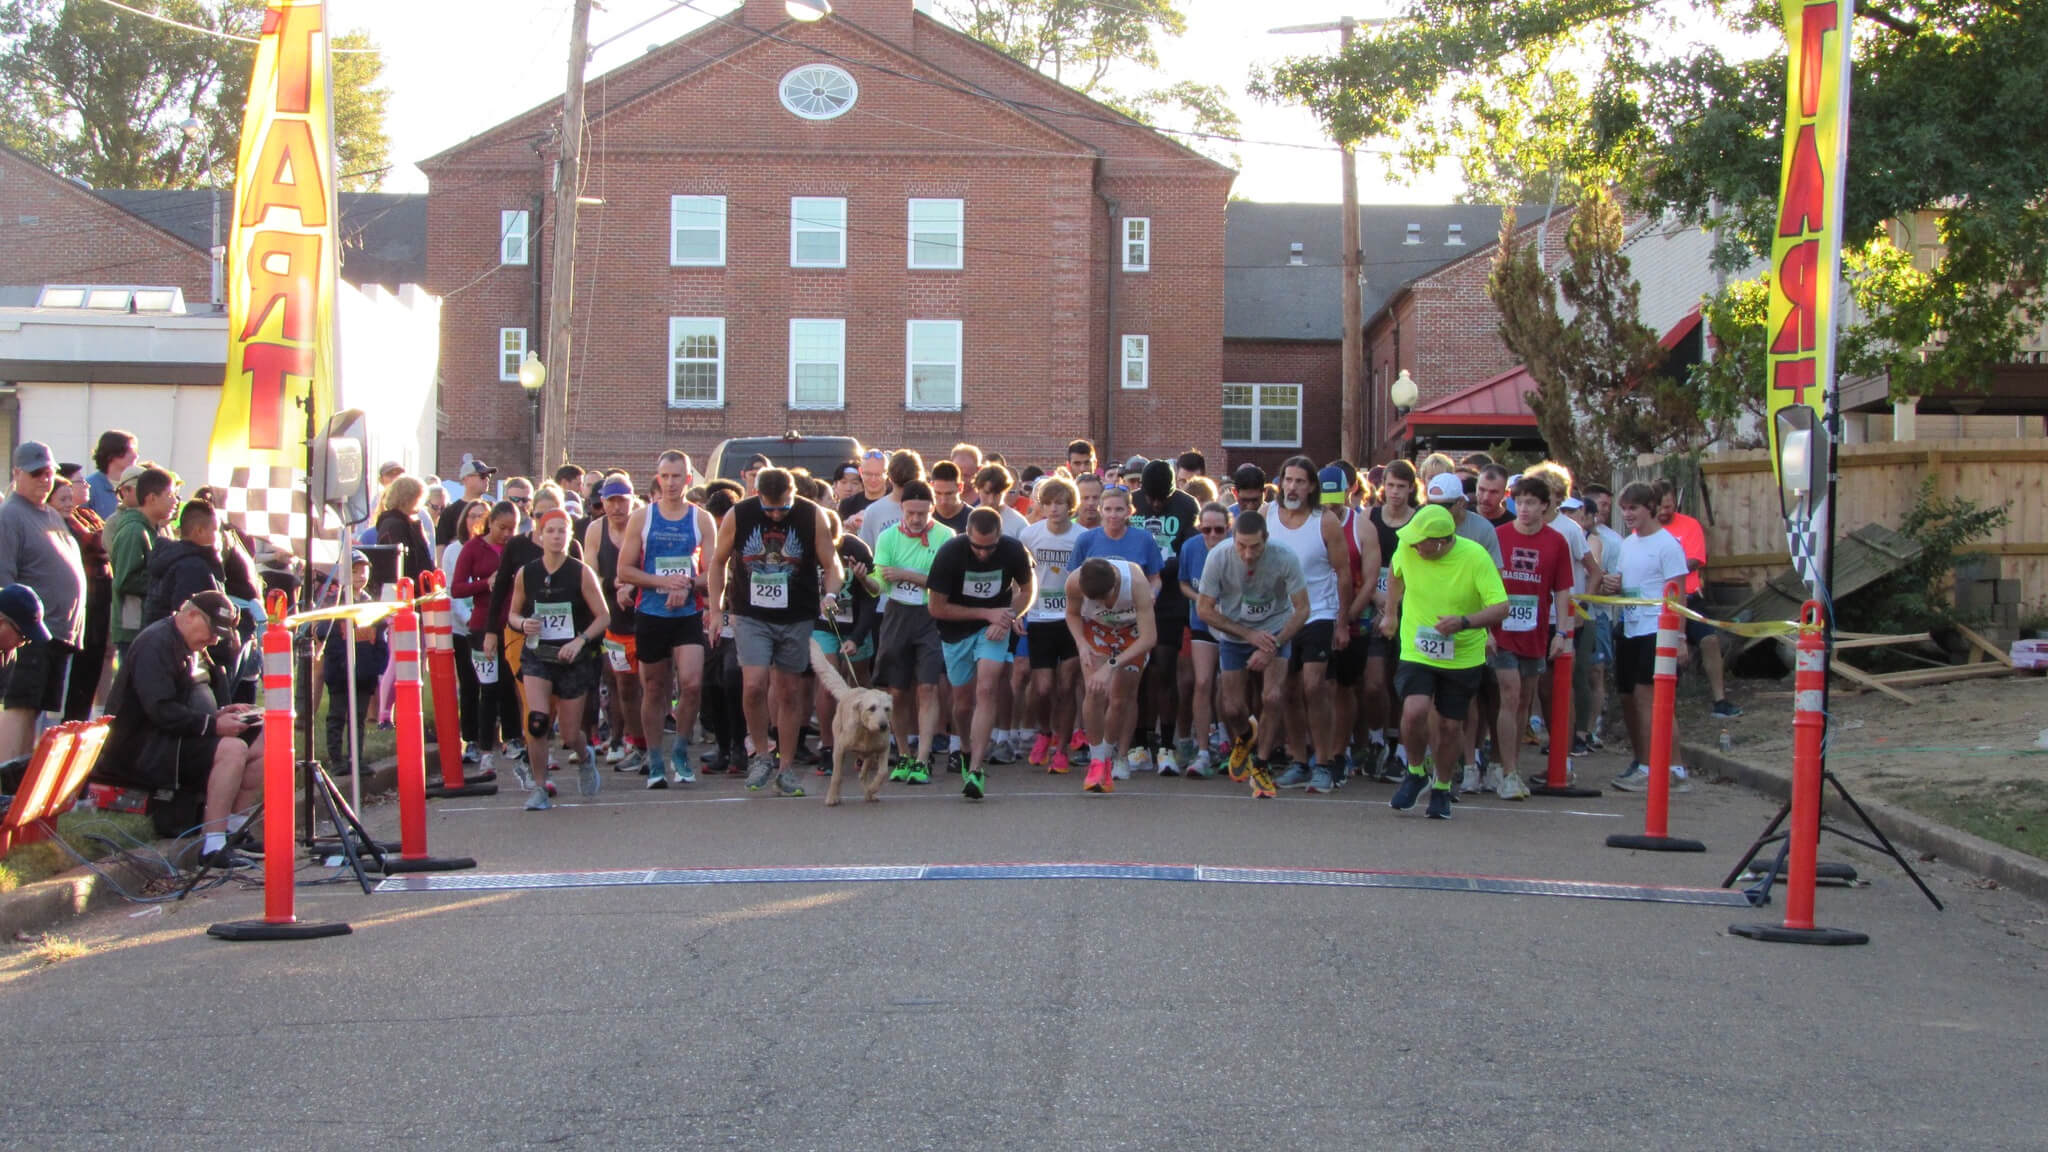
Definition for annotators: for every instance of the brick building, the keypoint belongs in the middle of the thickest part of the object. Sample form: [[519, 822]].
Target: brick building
[[872, 225], [57, 231]]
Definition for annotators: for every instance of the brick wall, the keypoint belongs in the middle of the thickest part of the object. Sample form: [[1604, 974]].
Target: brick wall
[[53, 231], [1318, 366]]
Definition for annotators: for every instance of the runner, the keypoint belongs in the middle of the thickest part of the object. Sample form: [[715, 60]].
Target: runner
[[947, 507], [845, 481], [1490, 496], [1589, 693], [874, 484], [1539, 623], [992, 486], [1168, 514], [1347, 667], [910, 659], [1212, 526], [1055, 662], [1650, 557], [661, 555], [981, 586], [1256, 602], [1248, 488], [560, 609], [1586, 571], [845, 635], [773, 550], [1088, 491], [1692, 538], [1189, 465], [1081, 458], [628, 752], [1316, 538], [1397, 506], [1115, 538], [904, 467], [1443, 592], [1110, 617]]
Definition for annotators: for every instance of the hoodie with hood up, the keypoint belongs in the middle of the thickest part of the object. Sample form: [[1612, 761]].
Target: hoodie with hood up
[[1171, 516]]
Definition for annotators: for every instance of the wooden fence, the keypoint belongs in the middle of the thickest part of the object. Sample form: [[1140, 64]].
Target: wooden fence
[[1879, 482]]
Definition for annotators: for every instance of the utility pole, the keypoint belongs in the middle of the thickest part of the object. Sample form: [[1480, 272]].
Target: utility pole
[[1356, 410], [562, 289]]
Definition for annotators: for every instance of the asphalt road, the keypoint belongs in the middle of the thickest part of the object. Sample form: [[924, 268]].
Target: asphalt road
[[1046, 1014]]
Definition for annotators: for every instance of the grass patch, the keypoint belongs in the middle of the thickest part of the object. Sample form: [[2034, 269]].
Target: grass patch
[[55, 949], [2014, 814], [32, 862]]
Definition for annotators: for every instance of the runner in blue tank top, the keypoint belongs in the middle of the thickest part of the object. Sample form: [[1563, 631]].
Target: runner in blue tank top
[[661, 556]]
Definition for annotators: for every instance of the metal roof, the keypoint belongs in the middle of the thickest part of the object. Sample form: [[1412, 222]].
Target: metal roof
[[383, 234]]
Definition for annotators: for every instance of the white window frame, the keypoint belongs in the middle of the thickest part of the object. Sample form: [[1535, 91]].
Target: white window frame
[[718, 326], [959, 231], [675, 206], [1142, 360], [838, 325], [505, 349], [800, 223], [910, 363], [1259, 408], [1137, 237], [514, 238]]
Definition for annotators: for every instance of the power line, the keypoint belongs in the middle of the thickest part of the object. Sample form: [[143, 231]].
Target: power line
[[215, 32]]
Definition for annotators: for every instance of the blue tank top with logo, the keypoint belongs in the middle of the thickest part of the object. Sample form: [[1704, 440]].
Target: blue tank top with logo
[[668, 547]]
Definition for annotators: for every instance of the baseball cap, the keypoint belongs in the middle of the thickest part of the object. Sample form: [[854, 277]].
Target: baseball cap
[[131, 474], [1135, 464], [34, 456], [757, 460], [20, 604], [1446, 488], [220, 612], [616, 486], [388, 467], [1429, 523], [1572, 504], [1332, 479], [1248, 476], [358, 556], [474, 468]]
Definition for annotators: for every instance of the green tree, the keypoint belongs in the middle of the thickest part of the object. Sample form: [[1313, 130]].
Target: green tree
[[1680, 105], [1085, 44], [103, 95]]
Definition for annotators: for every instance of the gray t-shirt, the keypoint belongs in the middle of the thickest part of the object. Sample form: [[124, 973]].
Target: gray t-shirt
[[876, 518], [36, 549], [1262, 598], [1475, 528]]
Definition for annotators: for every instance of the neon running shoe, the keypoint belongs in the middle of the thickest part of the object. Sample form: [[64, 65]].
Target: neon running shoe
[[899, 773], [1097, 779], [1060, 765], [1041, 748], [916, 773], [1240, 757], [1079, 743], [1262, 782], [972, 789]]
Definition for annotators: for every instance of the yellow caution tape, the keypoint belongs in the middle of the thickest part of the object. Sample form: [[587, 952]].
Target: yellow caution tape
[[363, 613], [1752, 629]]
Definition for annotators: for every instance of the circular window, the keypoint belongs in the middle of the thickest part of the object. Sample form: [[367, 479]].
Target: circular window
[[819, 91]]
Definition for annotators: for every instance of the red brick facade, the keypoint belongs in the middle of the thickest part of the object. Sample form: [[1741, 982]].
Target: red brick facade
[[53, 231], [701, 116], [1316, 365]]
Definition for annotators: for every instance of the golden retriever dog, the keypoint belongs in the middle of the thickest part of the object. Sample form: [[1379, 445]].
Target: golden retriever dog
[[860, 731]]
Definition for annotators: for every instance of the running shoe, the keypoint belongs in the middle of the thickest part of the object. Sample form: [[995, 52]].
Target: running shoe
[[1168, 766], [537, 800], [1041, 750], [899, 771], [824, 760], [1097, 779], [1636, 779], [1680, 782], [786, 785], [1468, 781], [1411, 788], [1262, 782], [614, 754], [1581, 747], [1320, 781], [1079, 742], [681, 769], [956, 762], [1060, 765], [1296, 776], [759, 769], [1137, 760], [972, 786], [523, 774], [1439, 804], [1491, 781], [1240, 755], [633, 761], [1726, 709], [1200, 768], [1119, 769], [657, 781], [587, 779], [1000, 751], [656, 763], [1391, 767], [470, 755], [1512, 788], [917, 773]]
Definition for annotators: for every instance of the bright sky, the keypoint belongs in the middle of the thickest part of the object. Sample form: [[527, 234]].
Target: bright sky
[[457, 67]]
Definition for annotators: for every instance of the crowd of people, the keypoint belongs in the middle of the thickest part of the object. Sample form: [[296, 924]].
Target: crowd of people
[[1299, 631]]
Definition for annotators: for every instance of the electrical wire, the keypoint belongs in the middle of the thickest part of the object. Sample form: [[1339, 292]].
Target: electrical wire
[[215, 32]]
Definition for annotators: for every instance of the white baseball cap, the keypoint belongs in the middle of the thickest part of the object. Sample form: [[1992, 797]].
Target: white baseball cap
[[1446, 488]]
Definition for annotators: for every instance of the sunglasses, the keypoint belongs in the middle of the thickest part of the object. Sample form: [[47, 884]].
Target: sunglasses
[[1114, 488], [874, 454], [1215, 531], [520, 499], [778, 507]]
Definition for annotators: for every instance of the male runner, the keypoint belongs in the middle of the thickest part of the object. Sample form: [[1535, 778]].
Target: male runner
[[1248, 488], [1109, 615], [1212, 527], [1255, 601], [910, 658], [1443, 592], [660, 553], [1692, 538], [1055, 661], [1539, 623], [992, 486], [1081, 458], [1347, 667], [1088, 494], [1168, 514], [947, 507], [603, 540], [1650, 558], [774, 550], [874, 484], [1490, 496], [981, 586], [1116, 538], [1397, 505], [1317, 540], [904, 467]]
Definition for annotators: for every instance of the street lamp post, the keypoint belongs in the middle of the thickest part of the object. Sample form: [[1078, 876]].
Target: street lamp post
[[533, 377], [1403, 394]]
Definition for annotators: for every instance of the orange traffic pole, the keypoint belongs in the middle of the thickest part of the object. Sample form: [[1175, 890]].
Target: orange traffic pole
[[412, 750], [439, 625], [1558, 780], [1664, 716]]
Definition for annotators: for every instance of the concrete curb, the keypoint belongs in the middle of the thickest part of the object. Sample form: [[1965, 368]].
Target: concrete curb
[[47, 904], [1909, 830]]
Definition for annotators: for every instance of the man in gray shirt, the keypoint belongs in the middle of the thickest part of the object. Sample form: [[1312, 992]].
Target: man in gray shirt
[[1449, 491], [37, 549], [1254, 599]]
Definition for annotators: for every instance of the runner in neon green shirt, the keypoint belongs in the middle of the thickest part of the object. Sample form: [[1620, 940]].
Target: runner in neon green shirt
[[1443, 594]]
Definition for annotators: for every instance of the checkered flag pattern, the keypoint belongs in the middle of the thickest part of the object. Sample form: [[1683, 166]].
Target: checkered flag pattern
[[1804, 543], [270, 503]]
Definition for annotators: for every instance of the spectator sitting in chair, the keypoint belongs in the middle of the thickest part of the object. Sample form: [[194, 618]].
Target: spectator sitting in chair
[[171, 734]]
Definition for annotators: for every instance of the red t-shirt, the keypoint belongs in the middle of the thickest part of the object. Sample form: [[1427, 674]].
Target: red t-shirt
[[1533, 569], [1692, 540]]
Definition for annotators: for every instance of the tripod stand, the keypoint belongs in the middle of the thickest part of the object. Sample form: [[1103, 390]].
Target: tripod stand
[[1771, 834]]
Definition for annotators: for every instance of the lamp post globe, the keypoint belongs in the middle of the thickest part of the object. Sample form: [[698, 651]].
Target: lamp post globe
[[1403, 392], [807, 10]]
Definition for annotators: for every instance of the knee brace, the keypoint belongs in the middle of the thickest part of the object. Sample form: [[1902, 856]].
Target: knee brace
[[537, 725]]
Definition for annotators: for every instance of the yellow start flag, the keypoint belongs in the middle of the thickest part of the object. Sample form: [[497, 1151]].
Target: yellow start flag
[[282, 262]]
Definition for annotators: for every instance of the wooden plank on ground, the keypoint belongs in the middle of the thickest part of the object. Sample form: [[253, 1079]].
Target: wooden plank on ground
[[1862, 679], [1922, 677], [1846, 640], [1984, 646]]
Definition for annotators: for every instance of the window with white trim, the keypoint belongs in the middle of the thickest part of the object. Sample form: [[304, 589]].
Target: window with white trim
[[696, 230], [512, 236], [817, 363], [817, 231], [938, 233], [696, 361], [511, 352], [932, 365], [1137, 362], [1137, 244], [1262, 415]]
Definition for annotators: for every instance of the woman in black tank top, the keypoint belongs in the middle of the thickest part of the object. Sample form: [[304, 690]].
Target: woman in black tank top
[[557, 604]]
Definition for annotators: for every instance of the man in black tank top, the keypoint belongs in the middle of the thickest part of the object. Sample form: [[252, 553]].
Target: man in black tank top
[[774, 550], [628, 741]]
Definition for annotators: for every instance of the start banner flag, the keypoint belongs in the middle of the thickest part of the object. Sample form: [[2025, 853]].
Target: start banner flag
[[282, 264]]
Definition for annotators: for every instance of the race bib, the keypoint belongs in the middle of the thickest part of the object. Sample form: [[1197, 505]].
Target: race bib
[[1383, 579], [1434, 645], [675, 566], [1053, 603], [1522, 612], [615, 651], [131, 612], [557, 626], [1257, 610], [906, 592], [1120, 617], [981, 585], [486, 666], [768, 589]]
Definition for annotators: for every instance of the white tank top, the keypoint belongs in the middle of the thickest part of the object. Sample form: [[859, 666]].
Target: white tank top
[[1306, 542], [1119, 612]]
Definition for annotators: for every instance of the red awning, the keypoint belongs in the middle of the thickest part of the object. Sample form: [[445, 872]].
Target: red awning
[[1495, 403]]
